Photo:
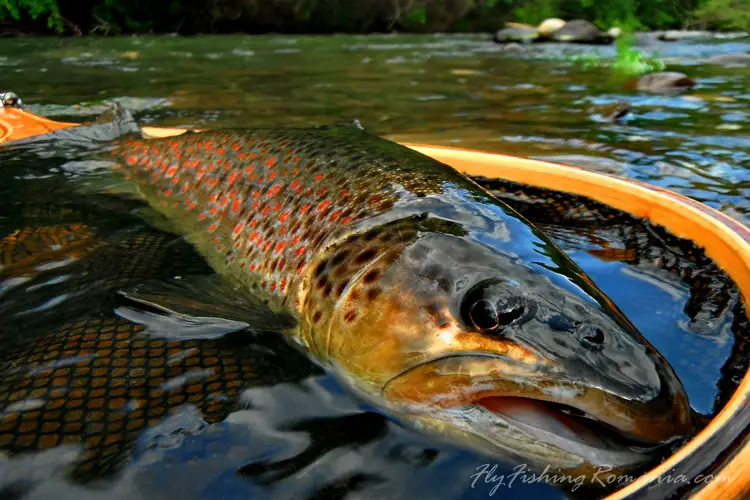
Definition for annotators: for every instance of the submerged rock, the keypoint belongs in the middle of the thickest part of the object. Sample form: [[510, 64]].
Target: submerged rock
[[580, 31], [739, 60], [518, 34], [612, 112], [664, 82], [678, 35]]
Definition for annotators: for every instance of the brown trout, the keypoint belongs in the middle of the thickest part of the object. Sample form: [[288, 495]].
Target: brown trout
[[422, 291]]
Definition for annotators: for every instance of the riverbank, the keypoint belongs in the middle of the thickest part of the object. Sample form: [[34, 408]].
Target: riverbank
[[190, 17]]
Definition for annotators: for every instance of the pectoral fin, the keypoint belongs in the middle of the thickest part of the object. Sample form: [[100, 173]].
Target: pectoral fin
[[198, 307]]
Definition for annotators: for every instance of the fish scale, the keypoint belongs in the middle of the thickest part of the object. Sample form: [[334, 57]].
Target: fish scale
[[264, 206]]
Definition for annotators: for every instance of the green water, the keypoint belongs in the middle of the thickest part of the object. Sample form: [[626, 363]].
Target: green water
[[460, 90]]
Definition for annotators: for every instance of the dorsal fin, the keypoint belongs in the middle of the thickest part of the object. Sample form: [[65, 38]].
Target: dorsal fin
[[348, 123]]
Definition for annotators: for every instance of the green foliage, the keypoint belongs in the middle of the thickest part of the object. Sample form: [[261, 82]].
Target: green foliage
[[417, 16], [191, 16], [35, 9], [731, 14], [536, 11], [631, 62]]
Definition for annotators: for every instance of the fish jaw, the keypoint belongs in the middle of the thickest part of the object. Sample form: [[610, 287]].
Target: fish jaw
[[506, 388]]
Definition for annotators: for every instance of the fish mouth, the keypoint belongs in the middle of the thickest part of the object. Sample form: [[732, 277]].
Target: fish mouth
[[540, 418], [583, 420]]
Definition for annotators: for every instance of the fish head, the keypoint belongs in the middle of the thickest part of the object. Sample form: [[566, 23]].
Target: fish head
[[507, 355]]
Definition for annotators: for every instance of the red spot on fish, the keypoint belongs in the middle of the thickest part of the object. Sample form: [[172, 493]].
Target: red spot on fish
[[305, 209], [192, 206], [253, 223], [283, 284], [149, 166], [374, 199], [220, 151], [185, 187], [274, 190], [252, 267], [295, 240], [283, 217], [255, 206], [268, 245], [299, 251], [295, 159], [249, 169], [233, 177], [271, 161], [335, 215], [273, 286], [347, 220], [175, 180], [254, 235], [236, 204], [224, 202], [271, 176], [216, 240], [344, 193], [282, 231], [280, 247], [212, 198], [238, 229], [255, 195], [214, 210], [168, 192], [212, 228], [132, 160], [300, 268], [294, 185], [277, 207], [171, 171], [324, 205], [202, 216], [266, 211], [318, 177]]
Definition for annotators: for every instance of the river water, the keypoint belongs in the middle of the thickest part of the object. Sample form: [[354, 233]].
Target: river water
[[300, 434]]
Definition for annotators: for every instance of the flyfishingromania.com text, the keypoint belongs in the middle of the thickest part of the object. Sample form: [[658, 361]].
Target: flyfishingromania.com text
[[489, 476]]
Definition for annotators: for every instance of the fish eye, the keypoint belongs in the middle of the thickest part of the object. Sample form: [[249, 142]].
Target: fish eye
[[487, 312], [484, 315]]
